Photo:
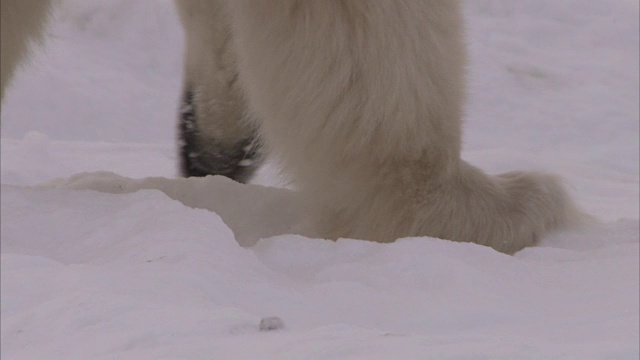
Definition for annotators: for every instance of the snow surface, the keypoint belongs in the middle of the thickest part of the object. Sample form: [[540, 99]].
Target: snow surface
[[117, 259]]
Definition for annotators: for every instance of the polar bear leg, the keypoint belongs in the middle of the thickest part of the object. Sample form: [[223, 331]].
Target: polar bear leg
[[216, 136], [362, 101], [20, 21]]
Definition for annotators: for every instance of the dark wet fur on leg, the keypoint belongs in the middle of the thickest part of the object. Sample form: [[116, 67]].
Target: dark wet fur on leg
[[201, 156]]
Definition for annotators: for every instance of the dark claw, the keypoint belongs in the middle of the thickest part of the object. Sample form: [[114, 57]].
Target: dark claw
[[200, 156]]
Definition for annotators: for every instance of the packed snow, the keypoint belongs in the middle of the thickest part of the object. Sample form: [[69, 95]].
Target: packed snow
[[106, 254]]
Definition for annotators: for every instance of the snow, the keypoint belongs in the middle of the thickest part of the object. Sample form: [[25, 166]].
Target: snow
[[106, 254]]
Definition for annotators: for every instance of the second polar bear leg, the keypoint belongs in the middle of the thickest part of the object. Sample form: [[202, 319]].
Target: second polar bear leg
[[216, 136], [362, 101], [20, 22]]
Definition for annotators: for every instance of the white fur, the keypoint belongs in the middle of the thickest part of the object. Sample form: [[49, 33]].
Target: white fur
[[20, 21], [211, 72], [362, 100]]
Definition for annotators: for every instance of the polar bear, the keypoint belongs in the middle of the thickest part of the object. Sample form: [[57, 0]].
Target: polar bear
[[20, 21], [362, 101], [216, 135]]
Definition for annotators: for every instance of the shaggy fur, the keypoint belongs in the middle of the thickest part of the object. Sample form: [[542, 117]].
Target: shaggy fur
[[362, 101], [216, 137], [20, 21]]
